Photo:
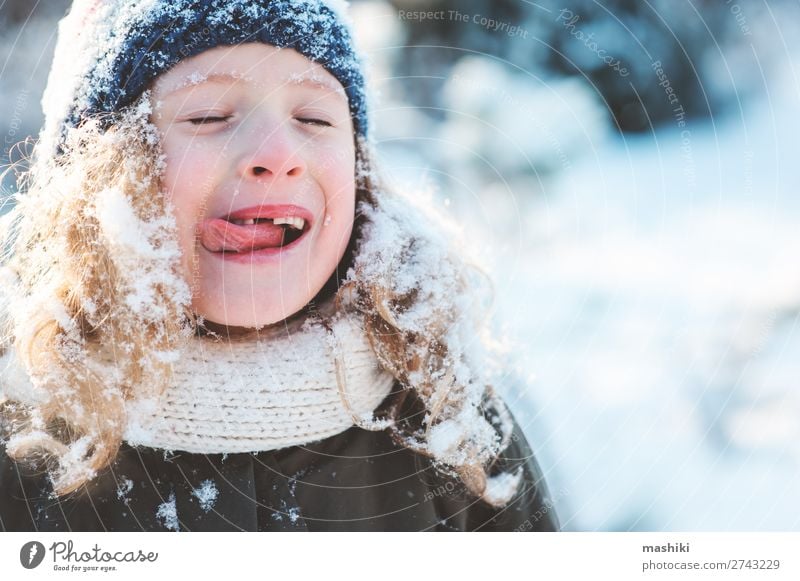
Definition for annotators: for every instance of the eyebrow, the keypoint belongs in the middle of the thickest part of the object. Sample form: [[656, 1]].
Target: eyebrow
[[195, 79], [314, 82]]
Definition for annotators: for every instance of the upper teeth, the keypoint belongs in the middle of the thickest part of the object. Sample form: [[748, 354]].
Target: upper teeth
[[293, 221]]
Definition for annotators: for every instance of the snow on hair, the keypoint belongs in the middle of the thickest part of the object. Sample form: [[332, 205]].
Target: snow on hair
[[425, 310], [86, 255]]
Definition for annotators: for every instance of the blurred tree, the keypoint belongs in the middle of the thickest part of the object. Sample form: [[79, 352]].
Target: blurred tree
[[17, 12], [640, 36], [434, 46], [612, 43]]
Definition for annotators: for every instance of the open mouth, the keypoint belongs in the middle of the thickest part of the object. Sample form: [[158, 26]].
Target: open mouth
[[238, 234]]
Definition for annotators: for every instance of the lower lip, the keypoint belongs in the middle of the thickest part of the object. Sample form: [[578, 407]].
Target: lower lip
[[263, 256]]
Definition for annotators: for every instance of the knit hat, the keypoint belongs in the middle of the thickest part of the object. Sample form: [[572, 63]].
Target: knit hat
[[109, 51]]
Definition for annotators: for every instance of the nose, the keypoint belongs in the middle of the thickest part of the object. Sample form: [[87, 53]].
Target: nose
[[270, 153]]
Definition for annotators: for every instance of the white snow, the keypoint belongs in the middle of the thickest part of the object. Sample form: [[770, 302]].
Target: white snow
[[120, 224], [15, 383], [501, 487], [342, 10], [206, 494], [124, 488], [299, 78], [140, 414], [145, 252], [167, 513], [445, 437], [413, 248], [517, 122]]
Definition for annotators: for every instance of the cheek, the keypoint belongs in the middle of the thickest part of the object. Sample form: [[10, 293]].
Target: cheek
[[340, 206], [189, 170], [189, 178], [337, 166], [188, 181], [334, 171], [337, 230]]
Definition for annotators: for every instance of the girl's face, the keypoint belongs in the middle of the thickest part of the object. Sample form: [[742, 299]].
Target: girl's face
[[260, 164]]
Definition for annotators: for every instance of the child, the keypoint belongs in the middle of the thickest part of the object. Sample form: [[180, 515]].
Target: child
[[214, 315]]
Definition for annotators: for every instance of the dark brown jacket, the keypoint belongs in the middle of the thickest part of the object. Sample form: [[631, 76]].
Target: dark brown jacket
[[355, 481]]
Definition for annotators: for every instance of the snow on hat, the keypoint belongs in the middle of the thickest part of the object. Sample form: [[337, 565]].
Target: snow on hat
[[109, 51]]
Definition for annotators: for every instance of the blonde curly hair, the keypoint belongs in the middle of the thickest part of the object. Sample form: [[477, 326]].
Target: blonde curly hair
[[70, 295]]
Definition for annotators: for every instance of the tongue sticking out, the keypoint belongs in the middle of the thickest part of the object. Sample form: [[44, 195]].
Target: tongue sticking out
[[219, 235]]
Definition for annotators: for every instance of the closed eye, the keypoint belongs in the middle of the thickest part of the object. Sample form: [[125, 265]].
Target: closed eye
[[312, 121], [208, 120]]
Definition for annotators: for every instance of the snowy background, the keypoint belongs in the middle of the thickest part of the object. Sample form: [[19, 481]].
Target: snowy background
[[638, 219]]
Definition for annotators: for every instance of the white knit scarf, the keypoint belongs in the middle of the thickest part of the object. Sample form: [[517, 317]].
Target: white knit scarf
[[286, 389]]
